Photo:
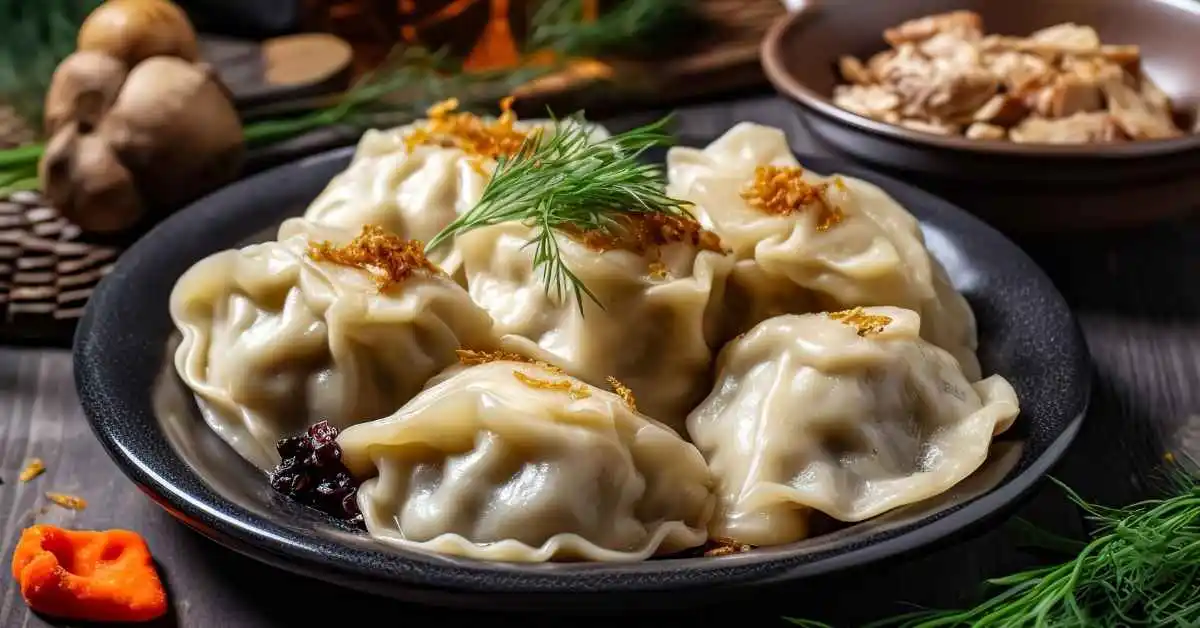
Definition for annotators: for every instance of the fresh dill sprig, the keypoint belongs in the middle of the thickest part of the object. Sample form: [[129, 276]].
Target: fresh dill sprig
[[624, 26], [571, 181], [1141, 568]]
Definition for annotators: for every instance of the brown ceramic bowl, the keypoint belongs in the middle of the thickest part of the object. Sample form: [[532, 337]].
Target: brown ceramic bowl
[[1015, 186]]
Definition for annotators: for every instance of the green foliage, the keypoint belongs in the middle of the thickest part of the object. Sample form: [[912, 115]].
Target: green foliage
[[35, 35], [1140, 568]]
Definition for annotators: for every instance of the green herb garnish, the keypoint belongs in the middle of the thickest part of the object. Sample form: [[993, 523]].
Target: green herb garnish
[[571, 182], [1140, 568]]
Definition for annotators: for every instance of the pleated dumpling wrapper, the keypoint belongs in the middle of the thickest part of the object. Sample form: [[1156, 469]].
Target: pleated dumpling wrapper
[[848, 413], [660, 290], [277, 336], [415, 179], [514, 461], [808, 243]]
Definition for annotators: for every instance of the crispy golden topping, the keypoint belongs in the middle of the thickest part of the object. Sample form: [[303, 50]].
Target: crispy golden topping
[[623, 392], [719, 546], [643, 232], [468, 132], [471, 357], [67, 501], [389, 258], [35, 468], [658, 270], [781, 190], [576, 391], [867, 324]]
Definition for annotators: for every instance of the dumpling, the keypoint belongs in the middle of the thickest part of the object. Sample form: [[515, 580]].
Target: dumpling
[[415, 179], [848, 413], [275, 340], [514, 461], [808, 243], [657, 311]]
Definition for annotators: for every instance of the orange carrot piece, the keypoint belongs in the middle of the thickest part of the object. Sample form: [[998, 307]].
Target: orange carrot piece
[[87, 575]]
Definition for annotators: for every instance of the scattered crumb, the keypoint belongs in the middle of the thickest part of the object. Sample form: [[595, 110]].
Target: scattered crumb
[[867, 324], [470, 357], [576, 391], [34, 468], [720, 546], [389, 258], [623, 392], [781, 190], [67, 501]]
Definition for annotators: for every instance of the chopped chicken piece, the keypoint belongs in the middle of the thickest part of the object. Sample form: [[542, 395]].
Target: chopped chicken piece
[[936, 88], [1068, 37], [985, 131], [1059, 85], [1070, 94], [1021, 72], [1128, 57], [1081, 128], [1154, 95], [871, 101], [878, 62], [1002, 110], [966, 23], [1137, 117], [950, 48], [854, 71], [931, 126]]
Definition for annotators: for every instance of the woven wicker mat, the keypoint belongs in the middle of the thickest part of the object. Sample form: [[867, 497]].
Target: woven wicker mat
[[47, 271]]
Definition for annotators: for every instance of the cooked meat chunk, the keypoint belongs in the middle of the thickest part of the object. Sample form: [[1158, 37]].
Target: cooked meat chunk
[[854, 71], [967, 24], [1081, 128], [871, 101], [1002, 110], [1068, 37], [1058, 85], [1137, 117]]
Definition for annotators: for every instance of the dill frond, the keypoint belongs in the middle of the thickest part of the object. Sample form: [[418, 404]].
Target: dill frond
[[568, 182], [1140, 568], [637, 25]]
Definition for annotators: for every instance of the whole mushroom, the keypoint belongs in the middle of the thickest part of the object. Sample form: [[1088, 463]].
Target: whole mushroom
[[132, 141]]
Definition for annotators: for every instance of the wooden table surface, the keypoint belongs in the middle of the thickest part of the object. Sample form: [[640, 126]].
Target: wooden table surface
[[1136, 296]]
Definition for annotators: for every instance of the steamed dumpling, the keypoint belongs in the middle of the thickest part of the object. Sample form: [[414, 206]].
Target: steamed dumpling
[[416, 188], [274, 340], [514, 461], [851, 414], [653, 332], [810, 243]]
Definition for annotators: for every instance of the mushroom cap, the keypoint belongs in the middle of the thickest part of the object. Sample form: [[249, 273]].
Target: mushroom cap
[[85, 181], [82, 89], [175, 128], [135, 30]]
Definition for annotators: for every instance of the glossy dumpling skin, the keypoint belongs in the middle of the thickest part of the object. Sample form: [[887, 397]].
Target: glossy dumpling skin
[[484, 465], [653, 332], [875, 255], [273, 341], [806, 414], [414, 194]]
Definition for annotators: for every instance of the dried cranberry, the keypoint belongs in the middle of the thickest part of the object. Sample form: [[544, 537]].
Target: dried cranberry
[[311, 472]]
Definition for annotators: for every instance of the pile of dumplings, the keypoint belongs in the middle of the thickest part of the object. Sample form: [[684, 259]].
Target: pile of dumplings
[[819, 363]]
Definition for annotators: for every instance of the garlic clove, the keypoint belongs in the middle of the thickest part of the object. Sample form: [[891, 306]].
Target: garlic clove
[[134, 30]]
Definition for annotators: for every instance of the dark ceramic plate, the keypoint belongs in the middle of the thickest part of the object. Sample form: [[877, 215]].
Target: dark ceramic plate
[[148, 422], [1028, 187]]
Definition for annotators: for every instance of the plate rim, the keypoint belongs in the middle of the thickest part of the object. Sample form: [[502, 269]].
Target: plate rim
[[259, 538]]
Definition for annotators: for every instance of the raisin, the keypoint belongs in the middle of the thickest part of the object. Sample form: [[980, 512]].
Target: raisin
[[311, 473]]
